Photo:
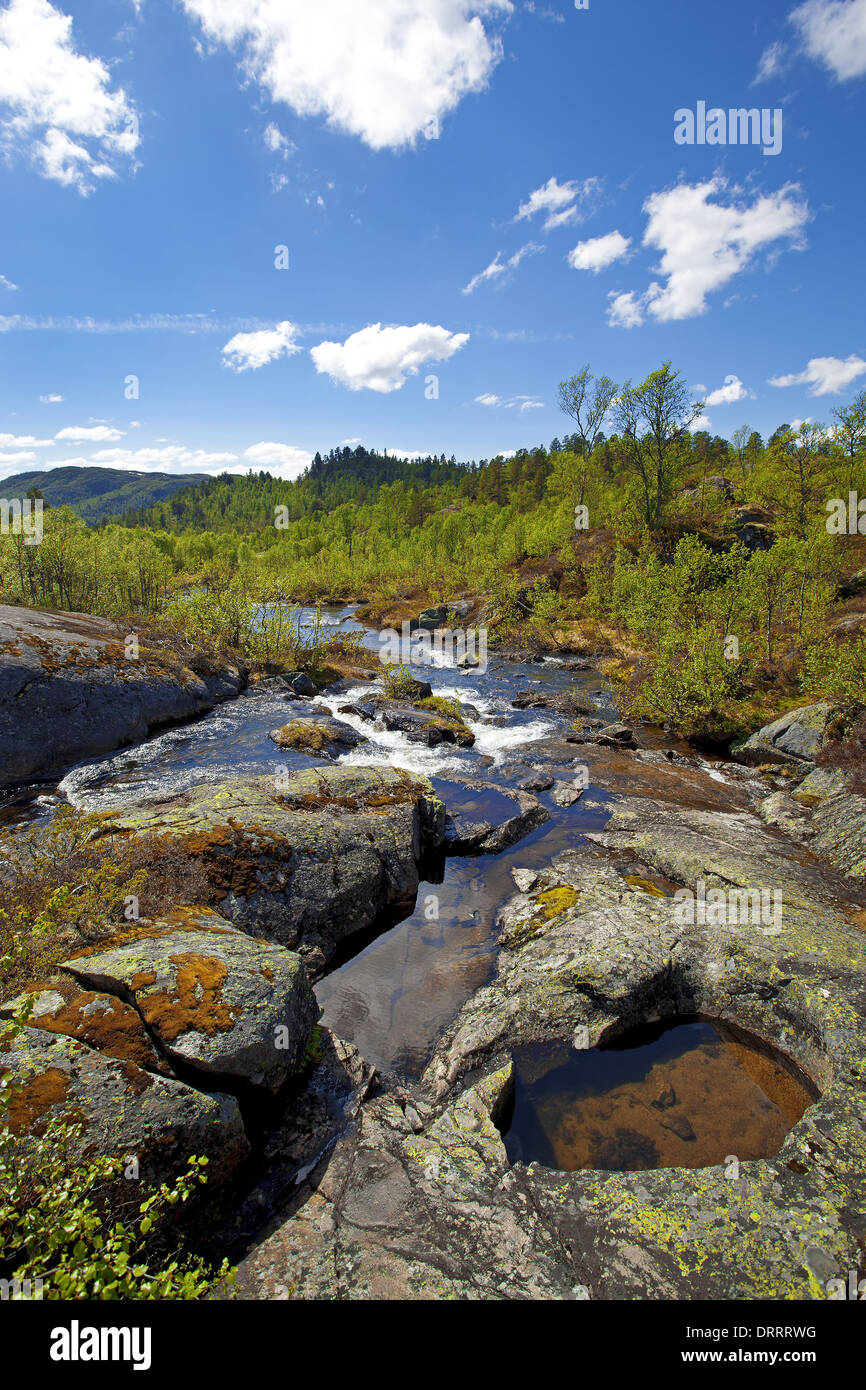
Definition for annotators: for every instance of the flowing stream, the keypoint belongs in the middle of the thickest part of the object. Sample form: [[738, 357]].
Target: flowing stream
[[404, 981]]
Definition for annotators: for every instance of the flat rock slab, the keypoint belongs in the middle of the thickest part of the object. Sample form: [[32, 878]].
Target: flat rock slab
[[214, 999], [123, 1109], [308, 859], [420, 1201], [68, 690]]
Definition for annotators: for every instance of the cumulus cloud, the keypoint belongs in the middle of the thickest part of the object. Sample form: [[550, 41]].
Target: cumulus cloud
[[824, 375], [80, 434], [51, 399], [624, 310], [498, 268], [380, 359], [705, 244], [386, 72], [833, 32], [732, 391], [283, 460], [59, 106], [21, 456], [173, 456], [488, 399], [277, 142], [600, 252], [560, 202], [24, 441], [249, 351]]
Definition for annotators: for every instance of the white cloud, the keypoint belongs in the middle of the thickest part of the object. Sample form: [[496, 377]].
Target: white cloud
[[51, 399], [7, 284], [249, 351], [772, 63], [488, 399], [833, 32], [20, 457], [824, 375], [24, 441], [561, 202], [386, 72], [520, 402], [173, 456], [59, 105], [702, 422], [79, 434], [349, 443], [283, 460], [704, 244], [277, 142], [380, 359], [624, 310], [598, 253], [498, 267], [732, 391]]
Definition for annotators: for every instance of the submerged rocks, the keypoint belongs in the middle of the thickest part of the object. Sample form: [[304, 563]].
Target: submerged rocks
[[492, 824], [308, 858], [72, 686]]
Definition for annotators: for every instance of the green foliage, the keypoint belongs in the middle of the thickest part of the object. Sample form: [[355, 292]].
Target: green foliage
[[398, 683], [839, 672], [57, 1226]]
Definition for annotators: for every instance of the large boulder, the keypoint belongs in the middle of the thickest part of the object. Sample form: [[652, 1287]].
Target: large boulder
[[70, 688], [795, 738], [123, 1110], [424, 726], [492, 819], [307, 859], [220, 1005]]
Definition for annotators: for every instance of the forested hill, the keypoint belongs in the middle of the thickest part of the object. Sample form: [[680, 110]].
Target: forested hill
[[96, 493], [246, 503]]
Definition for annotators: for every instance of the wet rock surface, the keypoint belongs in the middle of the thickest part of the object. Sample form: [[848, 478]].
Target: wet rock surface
[[69, 690]]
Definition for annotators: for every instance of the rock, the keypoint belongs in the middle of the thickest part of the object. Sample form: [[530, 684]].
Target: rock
[[781, 810], [307, 860], [616, 736], [525, 879], [364, 709], [563, 702], [459, 607], [300, 683], [125, 1111], [795, 738], [853, 587], [68, 690], [665, 1098], [536, 781], [679, 1125], [424, 726], [102, 1021], [466, 835], [317, 737], [216, 1001], [567, 793], [431, 618], [839, 832]]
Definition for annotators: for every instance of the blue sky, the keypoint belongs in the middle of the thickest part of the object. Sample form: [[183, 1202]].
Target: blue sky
[[486, 193]]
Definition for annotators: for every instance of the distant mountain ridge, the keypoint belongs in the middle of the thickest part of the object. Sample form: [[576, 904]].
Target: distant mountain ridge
[[95, 493]]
